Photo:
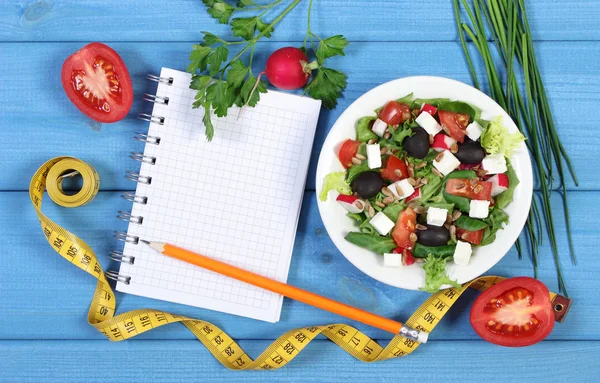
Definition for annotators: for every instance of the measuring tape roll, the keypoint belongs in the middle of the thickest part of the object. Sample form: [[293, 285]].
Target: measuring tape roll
[[101, 314]]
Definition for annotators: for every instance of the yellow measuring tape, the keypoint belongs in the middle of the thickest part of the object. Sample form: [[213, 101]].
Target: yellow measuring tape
[[101, 313]]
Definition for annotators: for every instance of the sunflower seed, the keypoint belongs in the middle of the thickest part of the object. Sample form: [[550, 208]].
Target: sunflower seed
[[356, 161], [387, 135], [359, 204], [419, 209], [424, 180], [421, 165], [460, 185], [437, 172], [383, 150], [386, 191], [439, 157], [371, 210], [412, 181], [413, 237], [456, 215], [454, 148], [380, 204], [492, 201], [430, 139], [399, 191], [360, 156], [388, 200], [473, 181], [419, 260], [411, 170], [452, 231], [421, 227], [481, 173], [372, 141], [449, 218], [398, 173], [478, 189]]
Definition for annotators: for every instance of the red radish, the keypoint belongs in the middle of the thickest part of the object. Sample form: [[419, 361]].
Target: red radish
[[407, 257], [351, 203], [429, 109], [415, 195], [499, 183], [442, 142], [288, 68]]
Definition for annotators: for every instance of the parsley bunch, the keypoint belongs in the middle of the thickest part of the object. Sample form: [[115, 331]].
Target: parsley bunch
[[221, 83]]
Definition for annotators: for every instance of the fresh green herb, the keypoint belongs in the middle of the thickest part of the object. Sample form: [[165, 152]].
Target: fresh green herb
[[432, 187], [375, 243], [392, 211], [529, 108], [495, 221], [497, 139], [443, 252], [356, 170], [440, 205], [435, 274], [461, 107], [334, 181], [401, 133], [220, 83]]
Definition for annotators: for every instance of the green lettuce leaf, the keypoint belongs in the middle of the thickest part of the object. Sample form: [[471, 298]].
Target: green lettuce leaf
[[375, 243], [506, 197], [495, 221], [363, 129], [435, 274], [497, 139], [334, 181]]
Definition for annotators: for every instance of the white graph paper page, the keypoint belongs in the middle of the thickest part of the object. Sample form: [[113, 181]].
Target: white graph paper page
[[236, 199]]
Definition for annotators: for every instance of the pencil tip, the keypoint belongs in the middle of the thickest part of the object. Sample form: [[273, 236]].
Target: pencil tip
[[146, 242]]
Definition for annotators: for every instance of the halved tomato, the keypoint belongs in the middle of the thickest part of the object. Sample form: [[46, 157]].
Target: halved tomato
[[455, 124], [96, 80], [389, 172], [394, 113], [473, 237], [470, 188], [515, 312], [405, 226], [347, 152]]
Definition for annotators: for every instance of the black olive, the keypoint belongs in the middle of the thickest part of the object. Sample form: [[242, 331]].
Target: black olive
[[433, 236], [417, 145], [367, 184], [470, 152]]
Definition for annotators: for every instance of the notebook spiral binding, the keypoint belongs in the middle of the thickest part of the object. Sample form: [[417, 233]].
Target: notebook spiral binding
[[115, 255]]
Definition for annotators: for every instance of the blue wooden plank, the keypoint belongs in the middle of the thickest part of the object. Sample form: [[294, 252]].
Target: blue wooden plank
[[321, 361], [182, 20], [39, 122], [44, 297]]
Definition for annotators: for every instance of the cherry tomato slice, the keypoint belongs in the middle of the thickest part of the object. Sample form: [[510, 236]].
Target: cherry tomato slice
[[347, 152], [389, 172], [405, 226], [473, 189], [515, 312], [96, 80], [473, 237], [394, 113], [454, 124]]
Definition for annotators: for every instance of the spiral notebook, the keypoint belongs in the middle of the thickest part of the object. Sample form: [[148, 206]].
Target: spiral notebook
[[236, 198]]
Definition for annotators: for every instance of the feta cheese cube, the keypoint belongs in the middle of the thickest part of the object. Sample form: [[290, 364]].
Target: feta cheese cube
[[462, 253], [379, 127], [447, 163], [436, 216], [474, 130], [382, 223], [479, 208], [392, 260], [406, 189], [427, 122], [494, 163], [374, 156]]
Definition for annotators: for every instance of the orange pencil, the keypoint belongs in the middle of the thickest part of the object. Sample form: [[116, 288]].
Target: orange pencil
[[288, 291]]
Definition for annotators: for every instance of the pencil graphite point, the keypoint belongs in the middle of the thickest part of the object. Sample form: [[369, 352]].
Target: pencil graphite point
[[158, 246]]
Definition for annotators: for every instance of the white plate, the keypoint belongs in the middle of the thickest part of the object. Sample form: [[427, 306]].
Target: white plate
[[334, 216]]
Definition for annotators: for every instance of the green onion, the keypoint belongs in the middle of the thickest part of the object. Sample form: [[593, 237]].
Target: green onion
[[529, 108]]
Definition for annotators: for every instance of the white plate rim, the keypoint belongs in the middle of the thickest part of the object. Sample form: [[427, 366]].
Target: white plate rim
[[413, 277]]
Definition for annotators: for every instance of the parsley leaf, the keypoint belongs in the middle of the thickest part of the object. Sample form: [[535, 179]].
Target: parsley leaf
[[327, 86], [331, 46], [236, 74], [244, 3], [216, 93], [198, 57], [244, 27], [247, 88], [219, 10], [210, 129], [262, 26], [215, 59], [211, 39]]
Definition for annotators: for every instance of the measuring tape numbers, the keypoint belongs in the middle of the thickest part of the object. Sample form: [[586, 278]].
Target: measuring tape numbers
[[102, 315]]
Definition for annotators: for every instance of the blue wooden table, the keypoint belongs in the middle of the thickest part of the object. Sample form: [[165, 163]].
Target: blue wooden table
[[44, 335]]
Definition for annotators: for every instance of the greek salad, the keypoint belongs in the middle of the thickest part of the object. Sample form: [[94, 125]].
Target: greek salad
[[426, 181]]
